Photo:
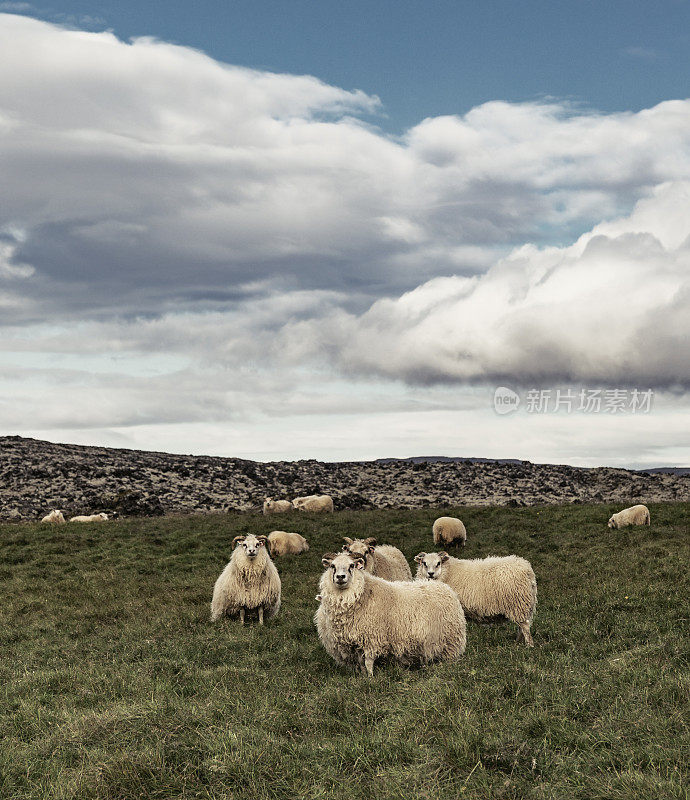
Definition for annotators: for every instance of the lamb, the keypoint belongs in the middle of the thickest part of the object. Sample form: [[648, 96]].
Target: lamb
[[90, 518], [488, 588], [276, 506], [361, 618], [249, 583], [449, 530], [55, 516], [635, 515], [314, 502], [282, 543], [383, 560]]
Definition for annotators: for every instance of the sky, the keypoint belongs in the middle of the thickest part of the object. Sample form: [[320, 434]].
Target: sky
[[333, 231]]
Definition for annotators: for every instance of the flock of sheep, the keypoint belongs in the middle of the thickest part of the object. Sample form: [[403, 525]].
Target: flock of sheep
[[58, 518], [370, 607]]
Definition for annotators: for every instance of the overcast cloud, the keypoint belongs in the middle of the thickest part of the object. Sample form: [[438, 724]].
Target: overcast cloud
[[184, 242]]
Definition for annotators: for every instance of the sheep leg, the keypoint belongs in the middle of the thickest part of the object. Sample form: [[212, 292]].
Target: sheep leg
[[261, 615], [524, 635], [242, 616], [369, 664]]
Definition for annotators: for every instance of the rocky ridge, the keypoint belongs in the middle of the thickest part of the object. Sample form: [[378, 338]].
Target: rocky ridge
[[36, 476]]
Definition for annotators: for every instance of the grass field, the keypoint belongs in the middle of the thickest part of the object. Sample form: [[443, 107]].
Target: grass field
[[114, 685]]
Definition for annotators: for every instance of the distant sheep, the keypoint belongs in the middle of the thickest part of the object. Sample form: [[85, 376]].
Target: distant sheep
[[249, 583], [55, 517], [90, 518], [488, 588], [315, 502], [361, 618], [283, 543], [635, 515], [449, 530], [276, 506], [383, 560]]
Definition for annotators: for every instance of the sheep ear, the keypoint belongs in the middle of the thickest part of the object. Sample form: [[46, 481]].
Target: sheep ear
[[443, 556], [359, 564], [263, 541], [348, 540], [318, 598], [327, 558], [237, 540], [419, 557]]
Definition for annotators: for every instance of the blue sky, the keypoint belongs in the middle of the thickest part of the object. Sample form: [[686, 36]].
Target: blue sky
[[320, 230], [429, 58]]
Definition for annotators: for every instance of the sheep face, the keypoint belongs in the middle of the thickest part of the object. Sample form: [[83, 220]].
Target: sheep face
[[360, 548], [612, 523], [251, 544], [431, 564], [341, 568]]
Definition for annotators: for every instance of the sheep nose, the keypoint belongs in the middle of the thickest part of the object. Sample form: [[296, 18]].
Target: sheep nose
[[339, 578], [431, 574]]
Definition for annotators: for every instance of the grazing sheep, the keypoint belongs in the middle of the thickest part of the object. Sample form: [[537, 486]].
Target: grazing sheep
[[449, 530], [383, 560], [250, 582], [635, 515], [315, 502], [276, 506], [361, 617], [489, 588], [283, 543], [55, 516], [90, 518]]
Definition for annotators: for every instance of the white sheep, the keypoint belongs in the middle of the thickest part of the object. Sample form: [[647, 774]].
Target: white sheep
[[276, 506], [361, 618], [488, 588], [314, 502], [55, 517], [383, 560], [283, 543], [635, 515], [449, 530], [90, 518], [250, 582]]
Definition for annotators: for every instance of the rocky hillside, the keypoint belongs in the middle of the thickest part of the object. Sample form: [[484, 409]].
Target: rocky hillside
[[36, 476]]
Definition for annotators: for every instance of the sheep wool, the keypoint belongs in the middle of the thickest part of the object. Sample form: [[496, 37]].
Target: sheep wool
[[383, 560], [55, 516], [249, 583], [276, 506], [449, 530], [489, 589], [315, 502], [362, 618], [635, 515], [283, 543]]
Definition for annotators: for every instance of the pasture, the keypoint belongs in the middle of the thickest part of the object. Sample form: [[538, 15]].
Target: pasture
[[114, 684]]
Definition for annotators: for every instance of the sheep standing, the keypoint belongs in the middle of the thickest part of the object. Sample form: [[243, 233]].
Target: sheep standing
[[55, 516], [449, 530], [383, 560], [488, 588], [635, 515], [315, 502], [362, 618], [283, 543], [102, 517], [250, 582], [276, 506]]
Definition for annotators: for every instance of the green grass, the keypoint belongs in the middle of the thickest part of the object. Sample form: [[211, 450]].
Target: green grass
[[114, 685]]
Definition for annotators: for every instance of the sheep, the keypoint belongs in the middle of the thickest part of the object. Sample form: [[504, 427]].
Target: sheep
[[249, 582], [488, 588], [635, 515], [90, 518], [315, 502], [383, 560], [282, 543], [55, 516], [276, 506], [449, 530], [361, 618]]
